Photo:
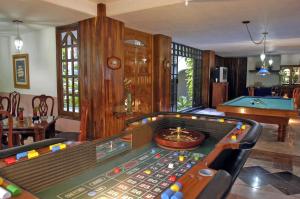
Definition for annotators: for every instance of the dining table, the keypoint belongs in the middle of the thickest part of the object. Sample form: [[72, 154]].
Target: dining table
[[43, 127]]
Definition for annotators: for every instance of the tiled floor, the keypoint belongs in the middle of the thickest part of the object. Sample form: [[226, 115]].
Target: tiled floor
[[261, 179], [291, 146], [273, 169]]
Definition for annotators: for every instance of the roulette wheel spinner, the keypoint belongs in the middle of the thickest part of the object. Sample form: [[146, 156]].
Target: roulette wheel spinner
[[179, 138]]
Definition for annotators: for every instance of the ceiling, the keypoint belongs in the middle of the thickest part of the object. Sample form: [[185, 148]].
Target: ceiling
[[36, 14], [205, 24], [216, 24]]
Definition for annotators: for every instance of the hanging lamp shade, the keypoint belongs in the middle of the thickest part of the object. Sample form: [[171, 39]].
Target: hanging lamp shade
[[262, 57], [18, 43], [18, 40], [263, 71], [271, 62]]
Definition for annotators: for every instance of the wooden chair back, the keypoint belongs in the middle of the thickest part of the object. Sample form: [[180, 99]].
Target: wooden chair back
[[83, 120], [14, 98], [251, 91], [4, 103], [6, 114], [296, 96], [276, 90], [44, 104]]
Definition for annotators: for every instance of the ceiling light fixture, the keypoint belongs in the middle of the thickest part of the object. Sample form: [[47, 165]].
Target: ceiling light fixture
[[264, 68], [18, 39], [186, 2]]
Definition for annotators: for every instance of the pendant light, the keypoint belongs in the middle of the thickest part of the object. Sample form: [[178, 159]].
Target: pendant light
[[186, 2], [18, 39], [264, 68]]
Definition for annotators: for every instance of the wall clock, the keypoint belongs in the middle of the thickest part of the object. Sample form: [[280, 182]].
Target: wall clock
[[114, 63]]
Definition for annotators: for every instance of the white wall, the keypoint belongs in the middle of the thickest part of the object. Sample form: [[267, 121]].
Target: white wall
[[40, 45], [5, 63], [267, 81], [293, 59]]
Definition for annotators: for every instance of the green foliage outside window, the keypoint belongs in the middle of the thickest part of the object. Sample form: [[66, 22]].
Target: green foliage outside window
[[186, 101]]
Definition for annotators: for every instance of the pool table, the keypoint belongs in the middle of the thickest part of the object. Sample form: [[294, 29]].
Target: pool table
[[272, 110], [131, 165]]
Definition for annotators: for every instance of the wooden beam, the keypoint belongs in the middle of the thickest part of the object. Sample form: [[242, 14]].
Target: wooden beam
[[161, 72], [101, 10], [208, 65]]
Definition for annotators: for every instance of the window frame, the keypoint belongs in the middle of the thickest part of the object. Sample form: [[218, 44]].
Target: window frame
[[60, 92], [177, 50]]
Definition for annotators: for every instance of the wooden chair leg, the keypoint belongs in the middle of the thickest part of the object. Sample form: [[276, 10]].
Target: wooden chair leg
[[17, 140], [23, 137]]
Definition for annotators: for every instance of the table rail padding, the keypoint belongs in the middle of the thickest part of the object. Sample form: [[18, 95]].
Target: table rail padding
[[217, 187], [49, 169], [36, 145], [217, 131]]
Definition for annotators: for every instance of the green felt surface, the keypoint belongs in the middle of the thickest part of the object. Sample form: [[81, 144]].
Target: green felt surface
[[262, 102], [98, 181]]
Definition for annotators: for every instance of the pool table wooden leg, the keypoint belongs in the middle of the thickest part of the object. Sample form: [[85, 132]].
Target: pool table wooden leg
[[281, 132]]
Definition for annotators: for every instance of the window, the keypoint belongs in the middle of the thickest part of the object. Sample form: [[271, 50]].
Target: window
[[290, 75], [185, 77], [67, 46]]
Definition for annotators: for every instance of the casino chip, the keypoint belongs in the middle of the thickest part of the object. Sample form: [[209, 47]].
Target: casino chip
[[92, 193]]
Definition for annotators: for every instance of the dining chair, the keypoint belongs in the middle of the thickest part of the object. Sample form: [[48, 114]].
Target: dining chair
[[44, 105], [296, 96], [7, 115], [14, 98], [276, 91], [82, 134], [4, 103]]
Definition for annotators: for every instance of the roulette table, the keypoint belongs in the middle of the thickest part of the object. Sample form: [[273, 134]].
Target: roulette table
[[136, 165]]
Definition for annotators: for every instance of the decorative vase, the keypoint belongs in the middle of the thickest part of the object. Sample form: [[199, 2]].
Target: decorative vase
[[129, 103]]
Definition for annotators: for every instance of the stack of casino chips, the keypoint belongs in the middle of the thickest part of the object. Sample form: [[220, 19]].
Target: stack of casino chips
[[173, 192], [8, 190]]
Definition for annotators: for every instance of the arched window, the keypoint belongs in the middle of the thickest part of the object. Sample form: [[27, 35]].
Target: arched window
[[67, 44]]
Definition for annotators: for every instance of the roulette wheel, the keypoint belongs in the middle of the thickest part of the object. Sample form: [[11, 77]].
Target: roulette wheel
[[179, 139]]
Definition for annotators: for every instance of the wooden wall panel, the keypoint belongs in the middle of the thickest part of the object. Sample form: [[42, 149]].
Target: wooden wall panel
[[237, 75], [161, 72], [219, 61], [101, 38], [139, 72], [113, 38], [208, 65]]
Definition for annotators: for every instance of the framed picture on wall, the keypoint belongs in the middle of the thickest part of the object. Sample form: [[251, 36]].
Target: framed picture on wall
[[21, 71]]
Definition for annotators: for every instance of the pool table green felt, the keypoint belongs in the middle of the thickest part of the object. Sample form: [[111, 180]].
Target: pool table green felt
[[131, 182], [263, 102], [272, 110]]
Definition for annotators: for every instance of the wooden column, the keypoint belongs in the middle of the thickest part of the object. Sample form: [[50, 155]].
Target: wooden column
[[100, 38], [101, 10], [161, 72], [208, 65]]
